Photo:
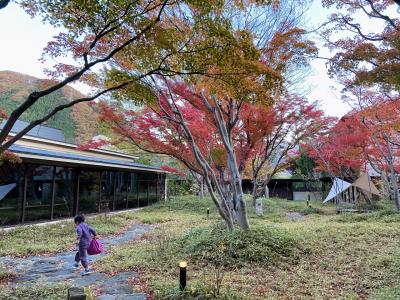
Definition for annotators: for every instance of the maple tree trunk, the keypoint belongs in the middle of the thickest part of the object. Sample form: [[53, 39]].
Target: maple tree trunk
[[241, 218], [395, 189], [224, 206], [201, 189], [263, 191], [239, 205], [231, 191], [385, 186], [200, 183], [393, 176], [254, 193]]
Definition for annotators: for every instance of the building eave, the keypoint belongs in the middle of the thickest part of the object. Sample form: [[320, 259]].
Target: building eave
[[73, 146], [52, 160]]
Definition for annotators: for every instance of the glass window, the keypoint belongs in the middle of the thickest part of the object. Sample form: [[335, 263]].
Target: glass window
[[142, 191], [121, 189], [133, 191], [89, 191], [65, 181], [107, 190], [39, 192], [11, 193], [153, 191]]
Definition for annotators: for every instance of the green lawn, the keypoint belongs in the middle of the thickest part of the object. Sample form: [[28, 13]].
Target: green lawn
[[33, 240], [292, 252]]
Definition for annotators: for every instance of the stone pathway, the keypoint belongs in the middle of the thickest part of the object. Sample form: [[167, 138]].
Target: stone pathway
[[295, 216], [59, 267]]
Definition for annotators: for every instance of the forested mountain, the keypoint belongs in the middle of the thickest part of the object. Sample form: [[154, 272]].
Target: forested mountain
[[78, 123]]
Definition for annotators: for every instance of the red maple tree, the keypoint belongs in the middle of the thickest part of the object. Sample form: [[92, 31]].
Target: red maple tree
[[271, 136], [365, 139]]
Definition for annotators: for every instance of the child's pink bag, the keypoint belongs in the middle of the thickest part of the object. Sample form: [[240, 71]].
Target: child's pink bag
[[95, 247]]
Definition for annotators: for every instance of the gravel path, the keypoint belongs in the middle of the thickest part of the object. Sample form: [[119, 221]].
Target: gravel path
[[59, 267]]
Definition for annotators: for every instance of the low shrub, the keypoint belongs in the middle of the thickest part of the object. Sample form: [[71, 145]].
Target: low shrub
[[386, 215], [353, 217], [312, 211], [190, 204], [261, 244], [197, 292]]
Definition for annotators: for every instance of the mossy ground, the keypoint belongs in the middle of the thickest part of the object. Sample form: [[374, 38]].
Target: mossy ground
[[320, 255]]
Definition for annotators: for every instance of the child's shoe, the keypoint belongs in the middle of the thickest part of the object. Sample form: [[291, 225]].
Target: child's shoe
[[86, 272]]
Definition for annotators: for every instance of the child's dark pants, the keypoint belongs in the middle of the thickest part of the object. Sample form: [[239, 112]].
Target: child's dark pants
[[81, 256]]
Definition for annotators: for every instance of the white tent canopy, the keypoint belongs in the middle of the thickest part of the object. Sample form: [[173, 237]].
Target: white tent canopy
[[338, 186], [366, 184], [5, 189]]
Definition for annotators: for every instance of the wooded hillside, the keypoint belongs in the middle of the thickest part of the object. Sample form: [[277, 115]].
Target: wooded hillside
[[77, 123]]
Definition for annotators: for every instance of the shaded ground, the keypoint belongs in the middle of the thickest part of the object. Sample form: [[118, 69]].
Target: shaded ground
[[57, 268]]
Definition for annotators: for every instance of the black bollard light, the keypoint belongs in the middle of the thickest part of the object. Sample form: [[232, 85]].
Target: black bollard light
[[182, 275], [208, 212]]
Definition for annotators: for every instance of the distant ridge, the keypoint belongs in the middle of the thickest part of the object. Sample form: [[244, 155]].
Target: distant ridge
[[78, 124]]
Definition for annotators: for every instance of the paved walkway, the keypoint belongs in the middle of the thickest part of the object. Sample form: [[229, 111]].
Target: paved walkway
[[59, 267]]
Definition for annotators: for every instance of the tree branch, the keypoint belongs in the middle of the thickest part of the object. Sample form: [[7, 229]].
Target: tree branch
[[33, 97], [4, 3]]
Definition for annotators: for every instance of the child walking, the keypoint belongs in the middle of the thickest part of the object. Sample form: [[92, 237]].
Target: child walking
[[84, 233]]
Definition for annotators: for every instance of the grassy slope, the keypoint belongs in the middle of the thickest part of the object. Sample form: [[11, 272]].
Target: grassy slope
[[339, 257]]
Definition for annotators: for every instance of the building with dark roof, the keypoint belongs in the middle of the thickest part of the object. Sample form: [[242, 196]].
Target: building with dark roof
[[56, 180]]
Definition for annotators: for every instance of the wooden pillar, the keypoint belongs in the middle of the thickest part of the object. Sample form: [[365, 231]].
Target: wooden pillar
[[100, 188], [137, 191], [147, 193], [128, 188], [77, 185], [53, 194], [114, 190], [157, 183], [24, 194], [355, 194]]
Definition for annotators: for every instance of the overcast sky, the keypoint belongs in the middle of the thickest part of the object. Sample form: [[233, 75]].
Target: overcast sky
[[23, 38]]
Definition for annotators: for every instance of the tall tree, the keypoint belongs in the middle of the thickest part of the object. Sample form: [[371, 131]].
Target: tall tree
[[367, 62], [363, 57], [201, 124], [241, 72], [271, 136], [365, 138], [103, 38]]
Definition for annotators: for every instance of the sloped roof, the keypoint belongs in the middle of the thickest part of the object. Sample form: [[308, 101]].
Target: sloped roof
[[39, 131], [52, 155]]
